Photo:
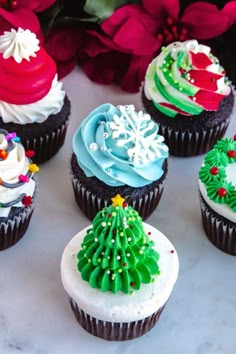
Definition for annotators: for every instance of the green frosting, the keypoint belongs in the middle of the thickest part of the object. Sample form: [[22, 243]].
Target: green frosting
[[213, 174], [117, 253]]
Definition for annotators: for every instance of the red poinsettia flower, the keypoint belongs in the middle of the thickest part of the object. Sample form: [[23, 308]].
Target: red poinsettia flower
[[134, 34], [20, 13]]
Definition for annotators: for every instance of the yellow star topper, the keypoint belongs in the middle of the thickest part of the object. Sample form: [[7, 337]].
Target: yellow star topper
[[117, 200]]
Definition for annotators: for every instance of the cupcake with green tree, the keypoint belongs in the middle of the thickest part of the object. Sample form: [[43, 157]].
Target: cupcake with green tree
[[119, 273]]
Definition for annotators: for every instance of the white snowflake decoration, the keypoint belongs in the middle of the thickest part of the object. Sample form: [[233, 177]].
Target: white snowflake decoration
[[137, 132]]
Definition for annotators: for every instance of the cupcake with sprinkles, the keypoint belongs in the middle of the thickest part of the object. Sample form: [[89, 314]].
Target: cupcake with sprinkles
[[32, 101], [186, 92], [119, 273], [117, 150], [18, 189], [217, 183]]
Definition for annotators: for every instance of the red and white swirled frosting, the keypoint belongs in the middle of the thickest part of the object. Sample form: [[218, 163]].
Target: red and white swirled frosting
[[29, 89]]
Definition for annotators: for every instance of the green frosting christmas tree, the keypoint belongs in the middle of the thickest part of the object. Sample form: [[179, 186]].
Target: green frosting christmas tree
[[117, 253]]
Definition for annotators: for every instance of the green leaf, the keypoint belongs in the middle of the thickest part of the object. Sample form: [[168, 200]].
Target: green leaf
[[103, 9]]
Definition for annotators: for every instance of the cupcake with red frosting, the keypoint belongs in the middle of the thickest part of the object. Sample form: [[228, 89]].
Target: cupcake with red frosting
[[18, 189], [186, 92], [32, 101]]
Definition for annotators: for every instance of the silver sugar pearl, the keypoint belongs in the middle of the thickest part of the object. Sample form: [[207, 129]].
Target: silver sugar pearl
[[93, 146]]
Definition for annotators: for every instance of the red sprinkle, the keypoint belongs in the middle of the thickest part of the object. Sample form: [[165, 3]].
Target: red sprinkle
[[29, 153], [149, 233], [172, 251], [222, 192], [3, 154], [231, 153], [27, 200], [114, 231], [109, 215], [132, 283], [235, 137], [124, 264], [125, 205], [214, 170]]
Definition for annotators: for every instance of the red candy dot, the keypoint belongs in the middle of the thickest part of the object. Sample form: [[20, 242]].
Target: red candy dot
[[29, 153], [132, 283], [149, 233], [125, 205], [235, 137], [222, 192], [172, 251], [109, 215], [114, 231], [231, 153], [124, 264], [214, 170]]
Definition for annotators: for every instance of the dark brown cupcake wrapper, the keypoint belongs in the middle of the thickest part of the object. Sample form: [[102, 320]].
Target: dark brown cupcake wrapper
[[220, 231], [46, 146], [14, 229], [191, 143], [90, 203], [114, 331]]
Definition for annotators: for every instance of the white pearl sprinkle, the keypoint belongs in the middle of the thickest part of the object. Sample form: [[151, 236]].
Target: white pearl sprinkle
[[93, 146], [118, 257]]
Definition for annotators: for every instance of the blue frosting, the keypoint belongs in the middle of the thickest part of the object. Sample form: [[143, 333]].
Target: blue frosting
[[120, 146]]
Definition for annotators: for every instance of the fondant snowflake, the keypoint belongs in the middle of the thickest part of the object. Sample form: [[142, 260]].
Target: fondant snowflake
[[137, 132]]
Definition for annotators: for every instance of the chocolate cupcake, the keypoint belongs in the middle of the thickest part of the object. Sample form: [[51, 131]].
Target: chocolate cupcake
[[217, 183], [186, 93], [118, 151], [32, 102], [119, 273], [18, 189]]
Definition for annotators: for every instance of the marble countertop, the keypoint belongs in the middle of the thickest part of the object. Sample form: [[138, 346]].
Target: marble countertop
[[35, 316]]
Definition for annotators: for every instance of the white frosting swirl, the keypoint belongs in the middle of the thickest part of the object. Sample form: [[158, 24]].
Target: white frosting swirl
[[20, 44], [11, 168], [36, 112]]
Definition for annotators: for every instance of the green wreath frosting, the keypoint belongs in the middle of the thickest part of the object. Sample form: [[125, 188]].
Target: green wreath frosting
[[117, 253], [213, 173]]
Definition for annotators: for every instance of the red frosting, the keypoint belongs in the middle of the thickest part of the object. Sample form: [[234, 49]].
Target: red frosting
[[28, 81]]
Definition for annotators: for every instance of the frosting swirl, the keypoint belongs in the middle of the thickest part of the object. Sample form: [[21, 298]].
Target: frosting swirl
[[16, 173], [28, 85], [120, 146], [186, 79], [116, 253]]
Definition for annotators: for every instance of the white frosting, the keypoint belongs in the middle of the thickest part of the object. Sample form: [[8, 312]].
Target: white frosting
[[14, 165], [20, 44], [36, 112], [121, 307], [221, 209]]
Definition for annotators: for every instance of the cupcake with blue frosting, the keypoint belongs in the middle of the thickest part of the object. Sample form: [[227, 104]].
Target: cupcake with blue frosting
[[117, 150]]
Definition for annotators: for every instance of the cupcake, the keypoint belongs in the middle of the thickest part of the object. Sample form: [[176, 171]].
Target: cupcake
[[186, 93], [32, 102], [117, 150], [217, 183], [119, 273], [18, 189]]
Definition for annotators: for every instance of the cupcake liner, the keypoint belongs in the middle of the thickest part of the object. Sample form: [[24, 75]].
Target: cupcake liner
[[220, 231], [14, 229], [194, 135], [191, 143], [90, 203], [114, 331], [46, 146]]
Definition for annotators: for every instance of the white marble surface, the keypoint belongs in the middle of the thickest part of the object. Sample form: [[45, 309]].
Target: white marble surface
[[35, 317]]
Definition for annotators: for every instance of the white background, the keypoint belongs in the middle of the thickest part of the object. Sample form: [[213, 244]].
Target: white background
[[35, 317]]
